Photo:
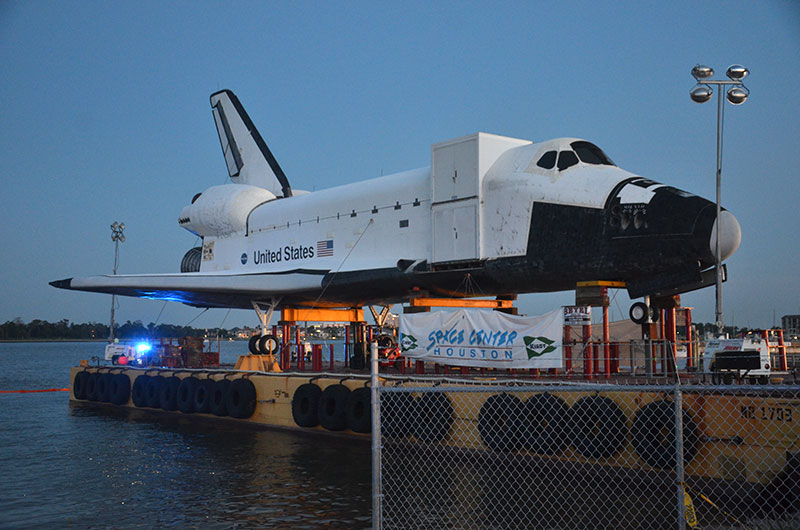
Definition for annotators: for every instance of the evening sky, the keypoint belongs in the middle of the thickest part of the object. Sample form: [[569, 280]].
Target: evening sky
[[106, 117]]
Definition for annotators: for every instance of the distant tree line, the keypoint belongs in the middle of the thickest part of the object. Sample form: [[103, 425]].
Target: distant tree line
[[64, 329], [709, 328]]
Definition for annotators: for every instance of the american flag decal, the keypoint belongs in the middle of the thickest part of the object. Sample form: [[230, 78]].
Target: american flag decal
[[325, 248]]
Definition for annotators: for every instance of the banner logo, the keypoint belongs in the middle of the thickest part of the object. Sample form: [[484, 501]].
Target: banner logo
[[538, 346], [408, 343]]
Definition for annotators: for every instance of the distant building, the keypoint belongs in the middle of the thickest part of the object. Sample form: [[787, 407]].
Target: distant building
[[246, 333], [791, 324]]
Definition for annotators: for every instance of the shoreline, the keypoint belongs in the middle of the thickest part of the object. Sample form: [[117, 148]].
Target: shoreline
[[52, 340]]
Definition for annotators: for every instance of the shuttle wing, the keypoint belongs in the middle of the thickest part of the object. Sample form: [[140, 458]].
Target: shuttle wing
[[247, 156], [202, 289]]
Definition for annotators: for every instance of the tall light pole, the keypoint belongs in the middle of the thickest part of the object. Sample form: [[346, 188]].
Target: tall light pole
[[736, 95], [117, 237]]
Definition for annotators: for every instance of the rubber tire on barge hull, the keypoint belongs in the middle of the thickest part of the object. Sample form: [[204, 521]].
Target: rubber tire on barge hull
[[219, 397], [398, 414], [153, 391], [139, 391], [598, 427], [359, 410], [202, 395], [305, 404], [500, 422], [332, 410], [184, 398], [168, 393], [434, 417], [653, 435], [79, 385], [104, 388], [241, 401], [120, 389], [91, 386], [545, 424]]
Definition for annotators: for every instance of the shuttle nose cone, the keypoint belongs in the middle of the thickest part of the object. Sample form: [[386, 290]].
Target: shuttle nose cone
[[730, 235]]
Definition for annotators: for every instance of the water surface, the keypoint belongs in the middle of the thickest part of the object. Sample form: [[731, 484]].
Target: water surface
[[72, 465]]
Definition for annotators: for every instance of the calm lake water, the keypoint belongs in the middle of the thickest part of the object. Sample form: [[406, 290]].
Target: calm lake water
[[65, 465]]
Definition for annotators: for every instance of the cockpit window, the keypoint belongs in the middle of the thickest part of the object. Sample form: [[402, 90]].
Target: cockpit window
[[566, 159], [591, 154], [548, 160]]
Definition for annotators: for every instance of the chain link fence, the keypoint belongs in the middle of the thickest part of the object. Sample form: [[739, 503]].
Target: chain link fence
[[564, 456]]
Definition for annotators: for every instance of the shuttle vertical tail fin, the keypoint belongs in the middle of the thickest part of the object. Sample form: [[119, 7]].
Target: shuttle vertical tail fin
[[247, 156]]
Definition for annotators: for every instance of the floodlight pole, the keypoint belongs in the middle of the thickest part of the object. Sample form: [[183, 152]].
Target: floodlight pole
[[735, 80], [116, 237]]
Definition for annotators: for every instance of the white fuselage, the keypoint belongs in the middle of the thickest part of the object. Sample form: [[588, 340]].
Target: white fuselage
[[374, 223]]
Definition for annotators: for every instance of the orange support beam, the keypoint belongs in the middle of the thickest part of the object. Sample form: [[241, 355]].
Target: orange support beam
[[613, 285], [296, 314], [459, 302]]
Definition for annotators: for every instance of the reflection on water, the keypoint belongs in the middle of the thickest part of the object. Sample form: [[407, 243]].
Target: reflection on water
[[78, 465]]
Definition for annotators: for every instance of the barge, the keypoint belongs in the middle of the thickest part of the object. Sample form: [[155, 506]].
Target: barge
[[748, 436]]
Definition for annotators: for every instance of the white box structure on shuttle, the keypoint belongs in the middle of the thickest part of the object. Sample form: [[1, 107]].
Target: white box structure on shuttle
[[458, 168]]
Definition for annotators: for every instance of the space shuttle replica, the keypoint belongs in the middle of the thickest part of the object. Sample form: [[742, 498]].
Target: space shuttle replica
[[491, 216]]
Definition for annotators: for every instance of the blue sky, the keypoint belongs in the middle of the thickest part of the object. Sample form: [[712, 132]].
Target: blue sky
[[106, 117]]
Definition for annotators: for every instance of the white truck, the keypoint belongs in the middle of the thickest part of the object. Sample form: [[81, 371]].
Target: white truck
[[746, 358], [126, 352]]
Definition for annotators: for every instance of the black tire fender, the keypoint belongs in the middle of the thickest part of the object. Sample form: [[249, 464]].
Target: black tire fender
[[305, 404], [598, 427], [359, 410], [545, 426], [203, 393], [332, 411], [168, 393], [499, 422], [91, 386], [219, 397], [104, 388], [398, 414], [184, 398], [139, 391], [433, 418], [120, 389], [653, 435], [242, 397], [153, 391], [79, 385]]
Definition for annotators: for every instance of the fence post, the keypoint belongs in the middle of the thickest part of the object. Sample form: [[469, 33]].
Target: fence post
[[376, 438], [679, 471]]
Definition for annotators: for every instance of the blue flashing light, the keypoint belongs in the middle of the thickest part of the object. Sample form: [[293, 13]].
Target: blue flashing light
[[143, 347]]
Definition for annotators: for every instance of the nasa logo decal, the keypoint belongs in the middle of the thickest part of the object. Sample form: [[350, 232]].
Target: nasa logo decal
[[244, 258]]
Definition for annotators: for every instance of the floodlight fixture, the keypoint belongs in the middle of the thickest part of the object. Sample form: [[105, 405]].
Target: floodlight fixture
[[737, 72], [701, 93], [737, 95], [702, 72]]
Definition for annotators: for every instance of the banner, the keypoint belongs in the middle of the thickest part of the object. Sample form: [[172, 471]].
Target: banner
[[487, 339]]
